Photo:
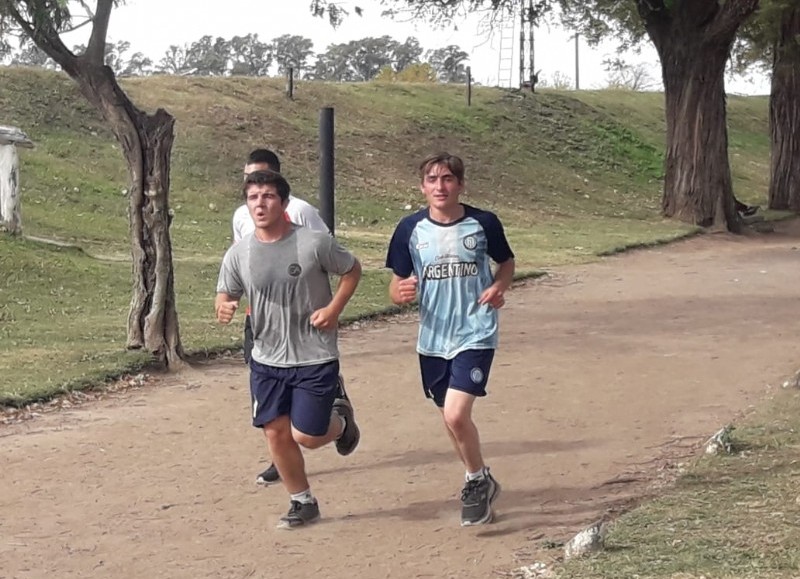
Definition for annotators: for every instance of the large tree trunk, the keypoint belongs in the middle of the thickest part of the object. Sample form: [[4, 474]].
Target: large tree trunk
[[147, 144], [784, 115], [693, 40]]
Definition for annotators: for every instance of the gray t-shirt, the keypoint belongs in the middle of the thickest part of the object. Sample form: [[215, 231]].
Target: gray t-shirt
[[285, 282]]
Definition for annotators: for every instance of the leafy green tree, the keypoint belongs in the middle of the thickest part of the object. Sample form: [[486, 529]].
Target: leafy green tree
[[174, 61], [208, 56], [146, 142], [418, 72], [624, 75], [116, 58], [334, 64], [137, 65], [369, 55], [449, 63], [357, 60], [249, 56], [292, 51], [31, 55], [406, 54]]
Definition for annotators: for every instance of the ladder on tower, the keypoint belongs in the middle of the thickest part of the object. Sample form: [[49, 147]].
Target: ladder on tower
[[505, 67]]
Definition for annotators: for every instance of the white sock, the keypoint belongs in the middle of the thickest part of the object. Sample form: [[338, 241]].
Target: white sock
[[476, 475], [303, 497]]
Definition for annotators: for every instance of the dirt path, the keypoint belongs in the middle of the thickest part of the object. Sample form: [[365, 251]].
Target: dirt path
[[608, 373]]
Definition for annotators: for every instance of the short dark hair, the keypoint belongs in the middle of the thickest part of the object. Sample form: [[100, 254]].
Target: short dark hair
[[264, 156], [452, 162], [267, 178]]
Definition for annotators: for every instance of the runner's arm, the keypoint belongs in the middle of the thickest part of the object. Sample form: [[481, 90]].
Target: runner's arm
[[503, 277], [224, 307], [402, 290], [327, 318]]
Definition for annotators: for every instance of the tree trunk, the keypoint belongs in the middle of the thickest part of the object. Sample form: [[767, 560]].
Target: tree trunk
[[10, 219], [146, 142], [693, 40], [784, 115], [698, 188]]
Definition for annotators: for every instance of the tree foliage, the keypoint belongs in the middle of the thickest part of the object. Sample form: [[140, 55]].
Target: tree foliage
[[449, 63], [292, 51], [629, 76], [419, 72], [362, 60], [29, 54]]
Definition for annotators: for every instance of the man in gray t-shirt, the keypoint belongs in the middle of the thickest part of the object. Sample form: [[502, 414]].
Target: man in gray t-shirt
[[297, 399]]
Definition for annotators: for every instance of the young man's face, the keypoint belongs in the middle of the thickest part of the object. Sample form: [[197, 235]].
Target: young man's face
[[265, 205], [441, 188]]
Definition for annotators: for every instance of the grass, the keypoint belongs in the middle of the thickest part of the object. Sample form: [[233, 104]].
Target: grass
[[572, 176], [728, 516]]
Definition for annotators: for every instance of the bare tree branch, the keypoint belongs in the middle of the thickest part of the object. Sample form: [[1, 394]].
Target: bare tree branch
[[96, 49]]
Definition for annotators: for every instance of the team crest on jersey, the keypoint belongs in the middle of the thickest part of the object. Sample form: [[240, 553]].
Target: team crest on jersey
[[476, 375], [470, 242], [295, 269]]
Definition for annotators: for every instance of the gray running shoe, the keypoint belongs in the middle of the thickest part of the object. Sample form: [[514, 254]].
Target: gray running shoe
[[476, 500], [299, 514], [269, 476], [349, 439]]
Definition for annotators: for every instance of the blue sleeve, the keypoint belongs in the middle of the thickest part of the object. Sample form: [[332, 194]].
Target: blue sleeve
[[398, 258], [497, 244]]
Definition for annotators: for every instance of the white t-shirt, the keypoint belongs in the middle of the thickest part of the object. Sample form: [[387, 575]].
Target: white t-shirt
[[298, 212]]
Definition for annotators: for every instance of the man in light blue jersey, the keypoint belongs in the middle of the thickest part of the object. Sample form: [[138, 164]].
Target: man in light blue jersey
[[444, 254]]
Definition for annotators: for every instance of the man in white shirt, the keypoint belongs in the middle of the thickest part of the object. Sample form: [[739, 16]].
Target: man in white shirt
[[299, 212]]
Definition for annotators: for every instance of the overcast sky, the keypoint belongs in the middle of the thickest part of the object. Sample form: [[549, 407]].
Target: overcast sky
[[151, 26]]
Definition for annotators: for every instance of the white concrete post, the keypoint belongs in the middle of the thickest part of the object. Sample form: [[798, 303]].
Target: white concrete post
[[10, 212]]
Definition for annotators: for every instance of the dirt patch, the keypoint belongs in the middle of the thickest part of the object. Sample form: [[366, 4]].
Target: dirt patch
[[608, 376]]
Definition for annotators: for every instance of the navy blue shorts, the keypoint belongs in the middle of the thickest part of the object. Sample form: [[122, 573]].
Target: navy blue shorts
[[304, 393], [467, 372]]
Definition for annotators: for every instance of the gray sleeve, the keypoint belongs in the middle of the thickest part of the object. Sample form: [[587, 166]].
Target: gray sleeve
[[333, 257], [230, 279]]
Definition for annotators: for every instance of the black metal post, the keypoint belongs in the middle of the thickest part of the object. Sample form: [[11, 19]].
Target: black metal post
[[326, 180], [290, 83], [469, 86]]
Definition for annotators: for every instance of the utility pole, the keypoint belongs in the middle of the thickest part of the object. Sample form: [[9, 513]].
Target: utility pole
[[532, 20], [521, 43], [577, 64]]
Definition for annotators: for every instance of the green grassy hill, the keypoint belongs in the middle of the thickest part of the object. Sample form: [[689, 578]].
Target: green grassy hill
[[572, 175]]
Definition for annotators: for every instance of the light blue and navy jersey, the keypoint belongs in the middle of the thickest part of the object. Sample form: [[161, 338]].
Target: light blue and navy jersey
[[453, 264]]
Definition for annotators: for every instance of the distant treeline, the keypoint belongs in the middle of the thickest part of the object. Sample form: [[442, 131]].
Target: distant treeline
[[366, 59]]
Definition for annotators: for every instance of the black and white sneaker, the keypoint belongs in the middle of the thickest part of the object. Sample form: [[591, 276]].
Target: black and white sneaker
[[476, 500], [350, 437], [269, 476], [299, 514]]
